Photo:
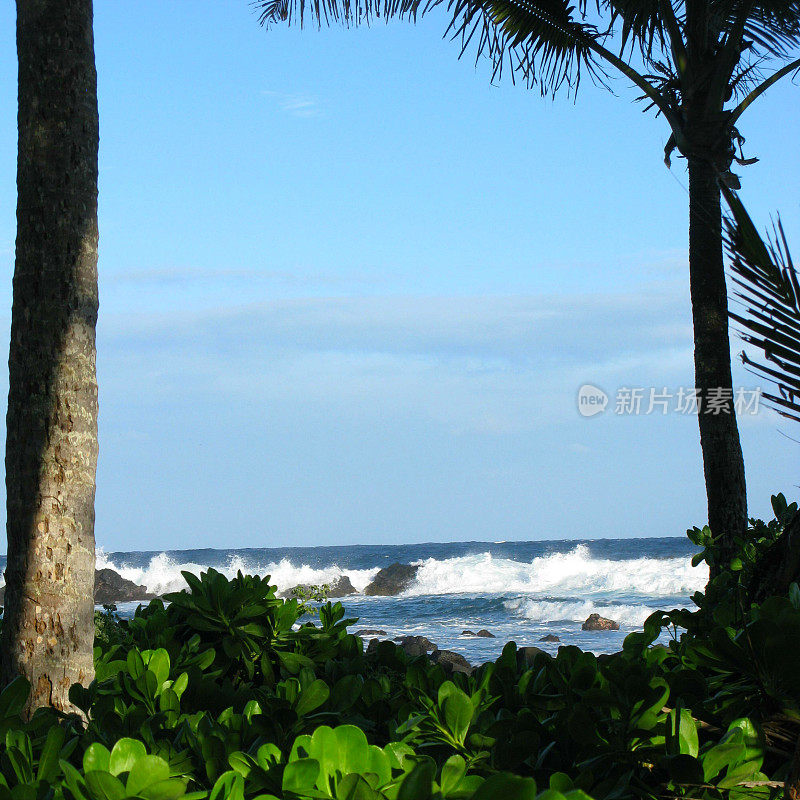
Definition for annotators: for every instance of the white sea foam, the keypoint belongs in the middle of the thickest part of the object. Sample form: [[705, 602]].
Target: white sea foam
[[572, 573], [578, 610], [163, 573]]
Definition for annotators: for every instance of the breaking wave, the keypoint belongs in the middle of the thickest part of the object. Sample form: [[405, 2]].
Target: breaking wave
[[163, 573], [570, 574], [575, 572]]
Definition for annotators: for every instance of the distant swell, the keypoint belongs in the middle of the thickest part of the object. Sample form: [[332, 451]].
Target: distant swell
[[572, 574]]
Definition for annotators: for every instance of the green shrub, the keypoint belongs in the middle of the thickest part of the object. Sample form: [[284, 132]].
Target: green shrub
[[227, 693]]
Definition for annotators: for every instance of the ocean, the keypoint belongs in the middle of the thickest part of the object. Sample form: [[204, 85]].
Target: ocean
[[518, 591]]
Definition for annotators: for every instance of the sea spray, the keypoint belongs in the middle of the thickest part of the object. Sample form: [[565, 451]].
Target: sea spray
[[573, 572]]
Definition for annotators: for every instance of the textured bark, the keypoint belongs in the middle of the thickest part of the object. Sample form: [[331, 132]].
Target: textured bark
[[723, 464], [51, 449]]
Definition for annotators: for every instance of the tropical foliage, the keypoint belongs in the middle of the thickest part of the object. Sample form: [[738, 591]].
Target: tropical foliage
[[227, 693]]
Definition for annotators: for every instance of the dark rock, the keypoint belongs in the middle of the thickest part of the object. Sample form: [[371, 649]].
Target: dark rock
[[392, 580], [550, 637], [373, 645], [416, 645], [2, 594], [370, 632], [110, 587], [597, 623], [485, 634], [467, 633], [341, 587], [450, 661], [527, 655]]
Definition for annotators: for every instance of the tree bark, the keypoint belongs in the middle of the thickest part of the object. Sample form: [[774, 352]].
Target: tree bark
[[51, 448], [723, 464]]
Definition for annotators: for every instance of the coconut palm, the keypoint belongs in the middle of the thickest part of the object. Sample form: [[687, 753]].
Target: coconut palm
[[51, 447], [699, 64]]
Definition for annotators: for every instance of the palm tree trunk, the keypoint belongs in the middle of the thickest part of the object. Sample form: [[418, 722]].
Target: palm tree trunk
[[51, 448], [723, 464]]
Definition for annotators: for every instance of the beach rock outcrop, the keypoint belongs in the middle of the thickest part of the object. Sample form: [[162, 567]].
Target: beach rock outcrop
[[370, 632], [110, 587], [597, 623], [550, 637], [482, 633], [392, 580], [450, 661], [416, 645]]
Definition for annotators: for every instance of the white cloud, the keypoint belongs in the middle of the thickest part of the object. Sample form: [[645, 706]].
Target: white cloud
[[297, 105]]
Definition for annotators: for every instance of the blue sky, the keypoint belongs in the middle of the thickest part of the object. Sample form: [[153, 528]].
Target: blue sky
[[350, 289]]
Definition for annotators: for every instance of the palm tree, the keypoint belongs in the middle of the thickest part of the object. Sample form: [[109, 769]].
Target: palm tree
[[51, 449], [699, 64]]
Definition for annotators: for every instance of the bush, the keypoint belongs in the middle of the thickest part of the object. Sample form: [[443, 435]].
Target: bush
[[227, 693]]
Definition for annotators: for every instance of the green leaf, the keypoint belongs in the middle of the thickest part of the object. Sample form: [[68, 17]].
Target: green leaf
[[136, 667], [229, 786], [682, 732], [105, 786], [313, 696], [14, 697], [48, 761], [294, 662], [508, 787], [125, 753], [159, 664], [561, 782], [96, 757], [354, 753], [379, 765], [453, 771], [145, 772], [458, 713], [300, 776], [418, 784], [170, 789], [354, 787], [346, 691], [725, 754]]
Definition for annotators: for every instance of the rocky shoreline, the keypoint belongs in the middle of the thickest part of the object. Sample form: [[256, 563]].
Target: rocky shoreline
[[111, 588]]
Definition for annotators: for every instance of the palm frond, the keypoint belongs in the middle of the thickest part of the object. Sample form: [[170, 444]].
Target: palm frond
[[774, 26], [548, 42], [767, 284], [644, 22]]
